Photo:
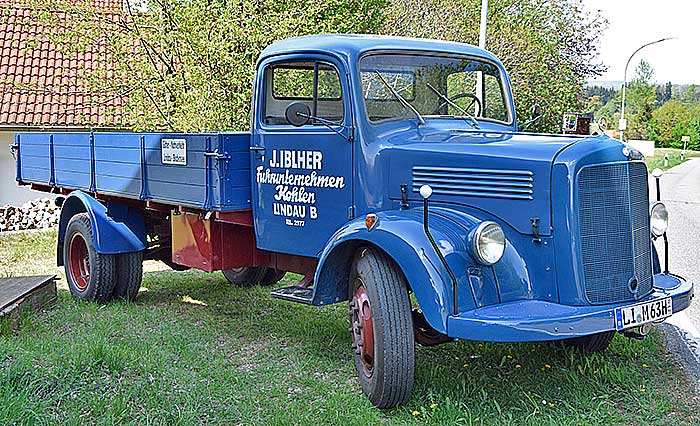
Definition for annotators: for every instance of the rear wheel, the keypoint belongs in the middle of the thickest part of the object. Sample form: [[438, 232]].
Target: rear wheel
[[272, 276], [592, 343], [90, 275], [246, 276], [129, 275], [381, 329]]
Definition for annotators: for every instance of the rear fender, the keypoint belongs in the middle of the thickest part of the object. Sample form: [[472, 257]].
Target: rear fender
[[401, 236], [117, 228]]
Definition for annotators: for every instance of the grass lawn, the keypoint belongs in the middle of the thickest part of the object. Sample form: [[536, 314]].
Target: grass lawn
[[674, 158], [195, 350]]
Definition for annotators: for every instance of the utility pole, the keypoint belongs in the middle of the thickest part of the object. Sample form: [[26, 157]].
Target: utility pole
[[482, 26], [482, 44]]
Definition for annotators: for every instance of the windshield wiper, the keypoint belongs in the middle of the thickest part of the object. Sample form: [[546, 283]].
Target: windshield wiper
[[471, 118], [401, 99]]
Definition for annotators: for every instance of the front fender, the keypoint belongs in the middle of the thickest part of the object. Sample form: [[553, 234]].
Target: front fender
[[400, 235], [116, 228]]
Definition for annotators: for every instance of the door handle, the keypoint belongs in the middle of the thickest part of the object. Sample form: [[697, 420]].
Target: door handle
[[258, 150]]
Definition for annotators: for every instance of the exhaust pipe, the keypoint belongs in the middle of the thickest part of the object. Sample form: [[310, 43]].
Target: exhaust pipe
[[640, 332]]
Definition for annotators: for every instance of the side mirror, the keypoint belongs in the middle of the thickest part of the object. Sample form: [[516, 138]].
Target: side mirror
[[536, 113], [297, 114]]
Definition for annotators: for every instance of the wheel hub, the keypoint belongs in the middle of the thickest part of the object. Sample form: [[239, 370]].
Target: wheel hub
[[361, 329], [79, 262]]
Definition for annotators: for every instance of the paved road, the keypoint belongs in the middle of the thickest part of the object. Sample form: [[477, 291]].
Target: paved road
[[680, 191]]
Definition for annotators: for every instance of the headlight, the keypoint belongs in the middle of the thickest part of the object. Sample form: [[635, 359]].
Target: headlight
[[488, 243], [659, 219]]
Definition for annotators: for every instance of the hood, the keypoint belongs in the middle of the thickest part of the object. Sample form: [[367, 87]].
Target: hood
[[505, 174]]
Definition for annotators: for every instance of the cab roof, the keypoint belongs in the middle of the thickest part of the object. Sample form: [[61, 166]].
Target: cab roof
[[352, 46]]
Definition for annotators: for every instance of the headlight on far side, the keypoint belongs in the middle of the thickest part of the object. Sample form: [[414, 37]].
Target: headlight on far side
[[658, 219], [488, 243]]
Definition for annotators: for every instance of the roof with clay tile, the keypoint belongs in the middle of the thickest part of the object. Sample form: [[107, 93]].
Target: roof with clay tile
[[39, 86]]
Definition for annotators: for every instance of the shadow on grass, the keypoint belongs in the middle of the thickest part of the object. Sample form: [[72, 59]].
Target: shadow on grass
[[473, 380]]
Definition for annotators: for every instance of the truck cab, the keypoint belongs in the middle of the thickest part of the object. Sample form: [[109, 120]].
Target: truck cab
[[391, 174]]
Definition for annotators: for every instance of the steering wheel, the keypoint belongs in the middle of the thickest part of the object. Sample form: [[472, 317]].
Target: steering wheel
[[460, 96]]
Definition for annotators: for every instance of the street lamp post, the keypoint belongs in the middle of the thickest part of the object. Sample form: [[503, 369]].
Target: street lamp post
[[623, 123]]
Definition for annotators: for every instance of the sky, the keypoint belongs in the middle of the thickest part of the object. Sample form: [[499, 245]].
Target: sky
[[634, 23]]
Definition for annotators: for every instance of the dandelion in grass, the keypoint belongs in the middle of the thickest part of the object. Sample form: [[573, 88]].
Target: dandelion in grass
[[518, 366], [645, 366], [466, 365], [547, 366], [415, 413], [551, 405], [433, 406]]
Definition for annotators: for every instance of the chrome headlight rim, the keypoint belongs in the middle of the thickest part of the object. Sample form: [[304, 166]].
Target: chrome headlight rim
[[658, 211], [477, 249]]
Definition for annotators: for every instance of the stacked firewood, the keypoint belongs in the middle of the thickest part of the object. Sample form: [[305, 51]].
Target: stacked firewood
[[41, 213]]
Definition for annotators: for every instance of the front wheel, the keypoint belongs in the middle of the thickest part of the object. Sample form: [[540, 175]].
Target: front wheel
[[381, 329], [90, 275]]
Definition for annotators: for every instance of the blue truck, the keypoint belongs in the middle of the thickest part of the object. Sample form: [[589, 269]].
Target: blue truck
[[391, 174]]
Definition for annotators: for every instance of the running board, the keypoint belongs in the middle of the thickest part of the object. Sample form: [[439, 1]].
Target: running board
[[294, 293]]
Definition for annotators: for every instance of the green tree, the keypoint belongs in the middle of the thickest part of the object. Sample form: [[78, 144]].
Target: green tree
[[692, 95], [668, 123], [188, 65], [548, 47], [641, 97]]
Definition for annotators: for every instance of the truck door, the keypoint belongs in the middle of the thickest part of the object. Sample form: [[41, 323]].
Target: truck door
[[302, 176]]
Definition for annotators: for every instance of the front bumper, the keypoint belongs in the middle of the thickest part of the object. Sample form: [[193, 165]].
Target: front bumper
[[537, 320]]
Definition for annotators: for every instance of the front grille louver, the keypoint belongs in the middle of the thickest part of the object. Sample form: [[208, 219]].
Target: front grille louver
[[473, 182], [614, 231]]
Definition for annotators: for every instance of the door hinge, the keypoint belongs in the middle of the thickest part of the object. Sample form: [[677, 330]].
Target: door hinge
[[535, 222], [404, 196], [351, 212]]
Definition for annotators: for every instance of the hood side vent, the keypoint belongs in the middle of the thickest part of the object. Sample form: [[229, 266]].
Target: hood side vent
[[471, 182]]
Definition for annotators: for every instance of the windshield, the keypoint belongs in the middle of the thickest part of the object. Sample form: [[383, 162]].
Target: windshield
[[435, 86]]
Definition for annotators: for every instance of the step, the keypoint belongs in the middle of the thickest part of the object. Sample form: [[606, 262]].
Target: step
[[294, 293], [18, 294]]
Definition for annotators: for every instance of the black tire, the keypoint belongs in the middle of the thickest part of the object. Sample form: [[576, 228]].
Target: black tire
[[592, 343], [386, 375], [246, 276], [272, 276], [129, 275], [90, 275]]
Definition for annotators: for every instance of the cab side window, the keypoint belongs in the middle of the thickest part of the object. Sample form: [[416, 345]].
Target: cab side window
[[317, 84]]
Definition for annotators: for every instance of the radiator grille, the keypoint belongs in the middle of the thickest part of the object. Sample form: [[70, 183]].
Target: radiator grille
[[614, 226], [472, 182]]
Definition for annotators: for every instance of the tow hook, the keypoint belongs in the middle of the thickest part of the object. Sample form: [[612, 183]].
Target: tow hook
[[638, 333]]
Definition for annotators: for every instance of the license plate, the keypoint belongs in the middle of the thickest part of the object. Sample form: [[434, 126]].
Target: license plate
[[635, 315]]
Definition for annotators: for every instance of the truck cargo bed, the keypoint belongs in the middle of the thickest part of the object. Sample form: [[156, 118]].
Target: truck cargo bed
[[209, 171]]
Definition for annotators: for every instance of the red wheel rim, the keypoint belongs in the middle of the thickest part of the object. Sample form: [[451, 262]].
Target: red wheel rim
[[361, 329], [79, 262]]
